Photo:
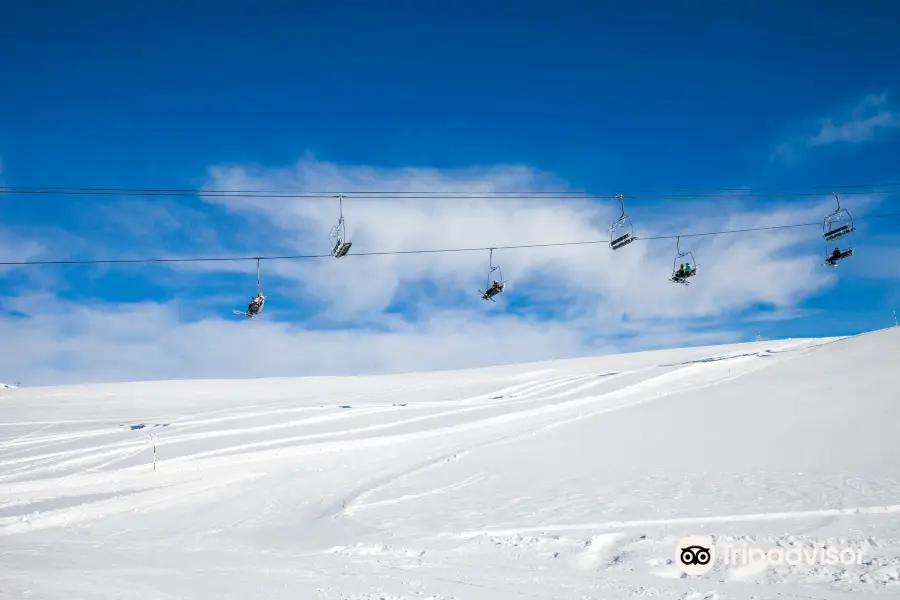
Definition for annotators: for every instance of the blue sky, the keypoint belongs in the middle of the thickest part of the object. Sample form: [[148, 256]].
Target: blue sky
[[332, 97]]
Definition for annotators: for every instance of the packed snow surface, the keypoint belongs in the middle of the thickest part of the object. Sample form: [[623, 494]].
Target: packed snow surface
[[569, 479]]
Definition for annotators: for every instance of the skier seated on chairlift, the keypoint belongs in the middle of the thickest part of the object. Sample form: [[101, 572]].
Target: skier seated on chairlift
[[836, 254], [256, 304], [495, 289], [684, 271]]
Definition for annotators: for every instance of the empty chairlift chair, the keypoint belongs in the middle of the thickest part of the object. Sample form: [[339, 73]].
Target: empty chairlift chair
[[836, 229], [622, 231], [340, 246]]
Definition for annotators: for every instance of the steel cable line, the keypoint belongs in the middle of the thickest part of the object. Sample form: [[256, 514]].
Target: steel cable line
[[62, 189], [447, 195], [424, 251]]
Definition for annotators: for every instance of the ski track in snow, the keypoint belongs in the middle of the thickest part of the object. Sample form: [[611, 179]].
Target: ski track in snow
[[554, 480]]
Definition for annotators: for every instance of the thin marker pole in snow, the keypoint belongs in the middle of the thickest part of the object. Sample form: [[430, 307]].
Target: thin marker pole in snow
[[153, 441]]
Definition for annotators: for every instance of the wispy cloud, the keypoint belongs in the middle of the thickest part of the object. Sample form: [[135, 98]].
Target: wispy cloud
[[411, 312], [867, 117], [864, 122], [633, 278], [60, 341], [14, 248], [787, 314]]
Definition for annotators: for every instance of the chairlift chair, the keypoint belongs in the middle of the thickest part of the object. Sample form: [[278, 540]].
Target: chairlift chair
[[838, 226], [622, 231], [679, 276], [834, 255], [495, 286], [338, 236]]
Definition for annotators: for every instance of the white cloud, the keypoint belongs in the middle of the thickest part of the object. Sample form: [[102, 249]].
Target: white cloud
[[14, 248], [786, 314], [608, 301], [634, 278], [865, 120], [59, 341], [870, 116]]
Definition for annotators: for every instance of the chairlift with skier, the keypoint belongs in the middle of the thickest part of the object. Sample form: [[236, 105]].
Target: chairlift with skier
[[836, 255], [687, 268], [495, 286], [338, 236], [255, 308], [622, 231]]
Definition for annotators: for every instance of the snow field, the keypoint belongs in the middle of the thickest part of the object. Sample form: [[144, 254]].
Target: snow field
[[563, 479]]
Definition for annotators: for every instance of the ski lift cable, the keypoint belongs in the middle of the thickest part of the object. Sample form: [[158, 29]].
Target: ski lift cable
[[421, 251], [710, 193], [64, 189], [451, 195], [139, 191]]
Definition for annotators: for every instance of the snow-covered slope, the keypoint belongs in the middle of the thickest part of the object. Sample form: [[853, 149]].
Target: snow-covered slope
[[571, 479]]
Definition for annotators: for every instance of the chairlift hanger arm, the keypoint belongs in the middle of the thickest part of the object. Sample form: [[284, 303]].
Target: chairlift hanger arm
[[494, 267], [340, 230]]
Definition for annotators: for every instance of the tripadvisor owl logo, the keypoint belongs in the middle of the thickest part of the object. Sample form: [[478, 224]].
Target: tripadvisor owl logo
[[695, 555]]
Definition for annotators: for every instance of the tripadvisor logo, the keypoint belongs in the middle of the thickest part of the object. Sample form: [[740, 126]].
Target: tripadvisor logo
[[697, 554]]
